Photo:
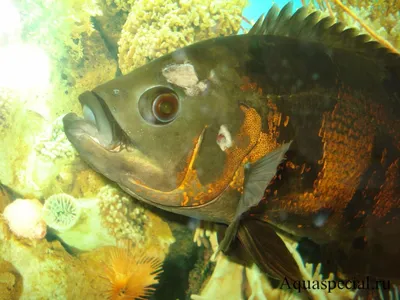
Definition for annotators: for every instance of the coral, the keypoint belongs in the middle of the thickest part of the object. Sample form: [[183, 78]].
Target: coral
[[378, 19], [5, 110], [86, 183], [120, 216], [206, 234], [155, 28], [225, 282], [131, 273], [78, 55], [89, 233], [308, 274], [18, 127], [10, 281], [61, 212], [53, 143], [5, 198], [58, 26], [118, 5], [24, 217], [251, 283], [46, 270]]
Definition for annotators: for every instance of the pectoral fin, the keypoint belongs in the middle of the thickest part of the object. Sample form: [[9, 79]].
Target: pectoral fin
[[257, 177]]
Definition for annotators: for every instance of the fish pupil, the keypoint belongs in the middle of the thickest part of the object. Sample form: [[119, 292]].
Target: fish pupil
[[165, 107]]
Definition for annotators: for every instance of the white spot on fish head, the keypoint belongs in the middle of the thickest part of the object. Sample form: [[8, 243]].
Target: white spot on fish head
[[183, 75], [224, 138], [116, 92]]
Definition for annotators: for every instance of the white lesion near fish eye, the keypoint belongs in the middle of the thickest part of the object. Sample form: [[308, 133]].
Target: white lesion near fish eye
[[224, 138], [184, 76]]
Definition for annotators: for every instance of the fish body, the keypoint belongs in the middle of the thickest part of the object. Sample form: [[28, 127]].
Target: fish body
[[203, 132]]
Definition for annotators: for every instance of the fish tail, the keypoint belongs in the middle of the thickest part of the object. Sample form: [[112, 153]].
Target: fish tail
[[267, 250]]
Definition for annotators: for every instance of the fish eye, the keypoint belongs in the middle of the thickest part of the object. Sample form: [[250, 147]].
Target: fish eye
[[165, 107], [159, 105]]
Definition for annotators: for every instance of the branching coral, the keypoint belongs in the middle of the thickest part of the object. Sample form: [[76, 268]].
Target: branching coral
[[54, 144], [379, 19], [78, 55], [61, 212], [155, 28], [58, 26], [122, 218], [120, 5]]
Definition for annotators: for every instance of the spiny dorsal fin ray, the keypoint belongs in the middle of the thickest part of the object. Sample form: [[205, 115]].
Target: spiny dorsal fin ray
[[310, 27]]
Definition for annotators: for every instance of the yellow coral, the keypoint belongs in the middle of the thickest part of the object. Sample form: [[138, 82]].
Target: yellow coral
[[58, 23], [122, 218], [117, 5], [155, 28]]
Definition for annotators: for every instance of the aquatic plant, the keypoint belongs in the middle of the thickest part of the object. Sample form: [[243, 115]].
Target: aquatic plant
[[24, 218], [61, 212], [155, 28], [120, 216], [379, 18], [131, 274]]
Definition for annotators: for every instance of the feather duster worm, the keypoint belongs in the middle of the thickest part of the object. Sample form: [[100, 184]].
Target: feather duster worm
[[131, 274]]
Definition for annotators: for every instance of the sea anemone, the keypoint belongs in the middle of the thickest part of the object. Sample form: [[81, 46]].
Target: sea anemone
[[61, 212], [131, 274], [25, 219]]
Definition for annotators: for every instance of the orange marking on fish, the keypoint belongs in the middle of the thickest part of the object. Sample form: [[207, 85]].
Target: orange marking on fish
[[347, 137], [384, 154], [286, 121], [191, 192], [303, 167], [388, 198]]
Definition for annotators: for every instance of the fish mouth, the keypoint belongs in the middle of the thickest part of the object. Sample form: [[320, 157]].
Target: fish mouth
[[97, 124], [104, 146]]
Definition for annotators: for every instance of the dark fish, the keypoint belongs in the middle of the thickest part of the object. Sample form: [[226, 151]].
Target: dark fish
[[203, 132]]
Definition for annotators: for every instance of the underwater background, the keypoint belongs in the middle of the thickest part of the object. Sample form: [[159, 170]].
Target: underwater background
[[62, 234]]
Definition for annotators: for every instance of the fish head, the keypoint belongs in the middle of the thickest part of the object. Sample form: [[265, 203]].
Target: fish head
[[164, 131]]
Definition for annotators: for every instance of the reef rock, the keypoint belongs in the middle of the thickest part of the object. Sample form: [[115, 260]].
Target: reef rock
[[47, 270]]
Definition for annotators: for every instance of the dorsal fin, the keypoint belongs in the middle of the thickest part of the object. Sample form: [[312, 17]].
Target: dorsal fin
[[310, 27]]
